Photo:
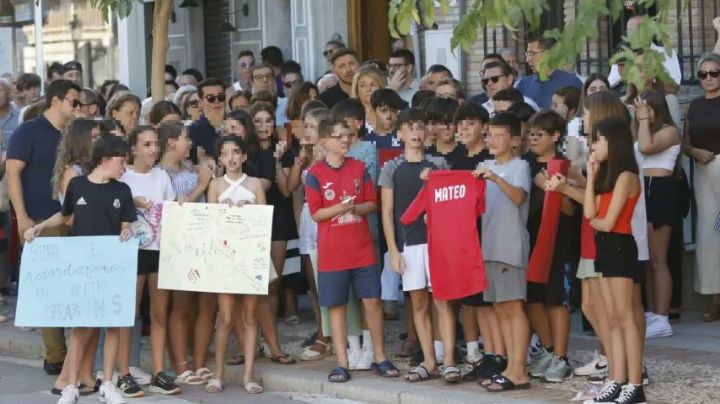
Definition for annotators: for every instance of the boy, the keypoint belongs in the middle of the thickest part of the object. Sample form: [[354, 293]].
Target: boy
[[477, 314], [440, 113], [386, 103], [548, 304], [503, 99], [98, 205], [565, 102], [407, 245], [503, 225], [340, 195]]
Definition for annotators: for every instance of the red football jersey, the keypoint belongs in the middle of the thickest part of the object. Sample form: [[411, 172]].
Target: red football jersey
[[344, 242], [453, 200]]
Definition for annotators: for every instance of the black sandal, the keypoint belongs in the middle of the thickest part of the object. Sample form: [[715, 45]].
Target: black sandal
[[339, 375], [505, 385]]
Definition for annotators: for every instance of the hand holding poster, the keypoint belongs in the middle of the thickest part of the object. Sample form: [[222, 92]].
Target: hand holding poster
[[77, 282], [215, 248]]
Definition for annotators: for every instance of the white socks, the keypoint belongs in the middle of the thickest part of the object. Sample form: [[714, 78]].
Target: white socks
[[354, 342], [439, 351]]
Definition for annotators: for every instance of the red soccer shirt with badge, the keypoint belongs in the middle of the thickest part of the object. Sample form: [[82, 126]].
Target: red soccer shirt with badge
[[452, 201], [344, 242]]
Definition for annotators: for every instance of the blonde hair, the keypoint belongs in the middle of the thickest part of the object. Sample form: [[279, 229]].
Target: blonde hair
[[367, 71]]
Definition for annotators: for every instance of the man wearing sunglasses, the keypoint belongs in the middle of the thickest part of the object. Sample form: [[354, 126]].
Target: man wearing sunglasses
[[29, 169], [541, 91], [243, 65], [291, 76], [202, 132], [498, 76]]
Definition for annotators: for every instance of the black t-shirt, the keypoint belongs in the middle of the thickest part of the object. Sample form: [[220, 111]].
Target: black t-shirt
[[404, 179], [98, 209], [264, 167], [703, 124], [333, 95], [458, 152]]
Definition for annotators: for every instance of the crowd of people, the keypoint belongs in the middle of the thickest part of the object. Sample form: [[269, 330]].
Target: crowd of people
[[389, 185]]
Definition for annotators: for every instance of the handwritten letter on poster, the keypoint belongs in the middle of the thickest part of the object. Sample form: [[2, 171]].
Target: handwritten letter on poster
[[215, 248], [77, 282]]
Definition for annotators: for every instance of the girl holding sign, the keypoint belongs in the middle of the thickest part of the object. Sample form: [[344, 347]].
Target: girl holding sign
[[97, 205], [235, 188], [151, 186]]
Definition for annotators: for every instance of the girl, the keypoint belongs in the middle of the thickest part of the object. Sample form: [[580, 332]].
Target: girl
[[74, 155], [190, 108], [150, 186], [164, 111], [235, 188], [125, 111], [311, 152], [613, 190], [659, 142], [189, 184]]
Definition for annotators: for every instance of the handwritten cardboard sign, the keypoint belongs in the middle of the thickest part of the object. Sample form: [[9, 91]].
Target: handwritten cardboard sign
[[77, 282], [215, 248]]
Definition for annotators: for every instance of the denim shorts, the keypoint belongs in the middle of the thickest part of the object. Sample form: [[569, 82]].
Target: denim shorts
[[334, 286]]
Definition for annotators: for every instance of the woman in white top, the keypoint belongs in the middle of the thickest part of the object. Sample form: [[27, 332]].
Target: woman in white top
[[659, 142], [151, 186], [235, 188]]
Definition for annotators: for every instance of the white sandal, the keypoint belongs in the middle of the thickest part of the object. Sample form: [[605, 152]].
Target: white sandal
[[214, 386], [204, 373], [253, 388], [310, 355], [190, 378]]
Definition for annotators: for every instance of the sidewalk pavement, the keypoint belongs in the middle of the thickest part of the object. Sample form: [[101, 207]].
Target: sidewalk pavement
[[684, 368]]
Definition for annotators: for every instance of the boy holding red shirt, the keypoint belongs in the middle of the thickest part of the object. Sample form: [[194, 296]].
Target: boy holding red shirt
[[340, 194]]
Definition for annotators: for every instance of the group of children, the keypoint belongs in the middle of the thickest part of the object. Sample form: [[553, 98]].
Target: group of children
[[444, 196]]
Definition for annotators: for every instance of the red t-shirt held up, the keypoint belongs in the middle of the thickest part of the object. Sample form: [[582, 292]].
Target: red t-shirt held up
[[344, 242], [453, 200]]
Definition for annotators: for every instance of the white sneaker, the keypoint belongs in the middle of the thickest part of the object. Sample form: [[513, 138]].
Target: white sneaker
[[142, 378], [598, 365], [353, 358], [659, 327], [110, 394], [367, 357], [69, 395]]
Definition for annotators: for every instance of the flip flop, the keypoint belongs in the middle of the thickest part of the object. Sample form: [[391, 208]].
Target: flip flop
[[339, 375], [285, 359], [214, 385], [253, 388], [505, 384], [385, 369], [421, 375]]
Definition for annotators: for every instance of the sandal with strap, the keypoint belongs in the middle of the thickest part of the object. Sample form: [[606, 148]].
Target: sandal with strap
[[339, 375], [418, 374], [502, 383], [190, 378], [204, 373], [285, 359], [385, 369], [451, 375], [253, 388], [487, 382], [236, 360], [310, 354], [214, 386]]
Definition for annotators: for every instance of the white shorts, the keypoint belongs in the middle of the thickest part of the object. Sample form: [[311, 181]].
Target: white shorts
[[308, 232], [417, 267]]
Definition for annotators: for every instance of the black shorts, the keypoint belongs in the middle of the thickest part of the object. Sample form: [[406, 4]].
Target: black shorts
[[148, 262], [283, 227], [662, 200], [640, 274], [475, 300], [617, 255], [558, 290]]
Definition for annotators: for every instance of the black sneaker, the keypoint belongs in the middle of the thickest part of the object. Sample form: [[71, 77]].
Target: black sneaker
[[631, 394], [608, 394], [128, 387], [161, 383], [645, 377]]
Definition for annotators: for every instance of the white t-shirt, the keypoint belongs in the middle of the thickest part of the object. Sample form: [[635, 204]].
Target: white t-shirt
[[156, 187], [671, 64]]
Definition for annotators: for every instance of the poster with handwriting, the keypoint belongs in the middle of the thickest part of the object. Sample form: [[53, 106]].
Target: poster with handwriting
[[77, 282], [215, 248]]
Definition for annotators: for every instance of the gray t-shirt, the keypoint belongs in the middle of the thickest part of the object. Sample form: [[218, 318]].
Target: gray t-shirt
[[504, 233], [404, 179]]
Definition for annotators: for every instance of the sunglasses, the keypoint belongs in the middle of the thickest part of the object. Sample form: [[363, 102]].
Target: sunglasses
[[212, 98], [703, 74], [328, 52], [75, 103], [193, 103], [290, 84], [494, 79]]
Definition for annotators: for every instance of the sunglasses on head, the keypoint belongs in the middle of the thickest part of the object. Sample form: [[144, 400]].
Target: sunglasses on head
[[212, 98], [494, 79], [703, 74]]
